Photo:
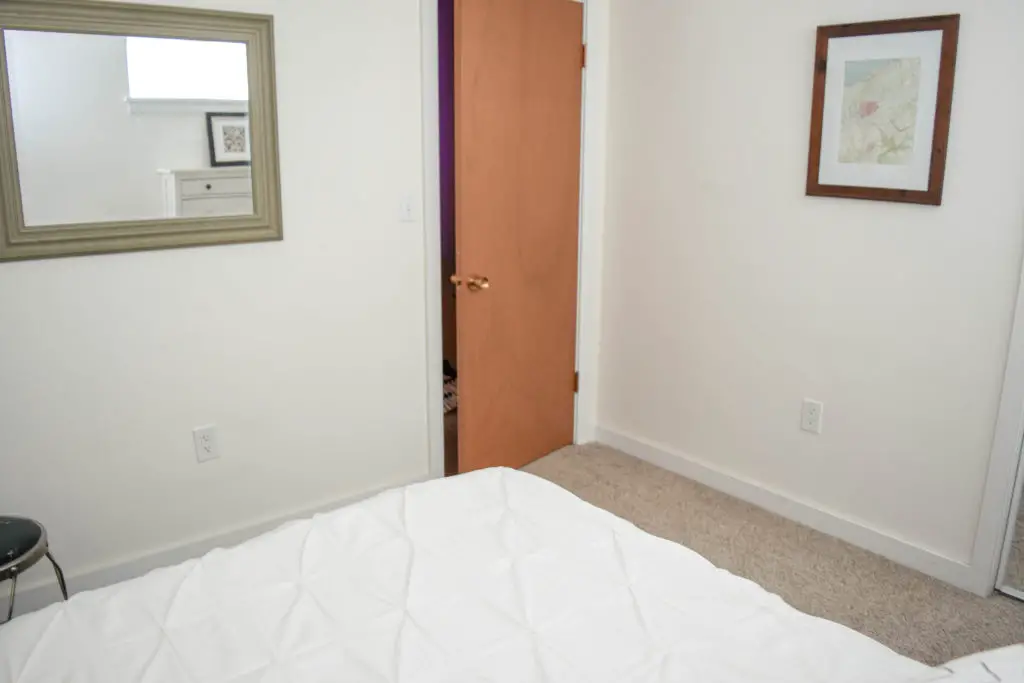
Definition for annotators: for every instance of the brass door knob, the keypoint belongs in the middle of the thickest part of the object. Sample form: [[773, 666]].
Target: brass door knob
[[474, 283], [477, 283]]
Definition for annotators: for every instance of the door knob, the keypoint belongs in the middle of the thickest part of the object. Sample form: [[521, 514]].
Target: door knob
[[477, 283], [474, 283]]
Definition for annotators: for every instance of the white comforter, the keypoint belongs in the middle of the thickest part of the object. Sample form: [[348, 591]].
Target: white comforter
[[496, 576]]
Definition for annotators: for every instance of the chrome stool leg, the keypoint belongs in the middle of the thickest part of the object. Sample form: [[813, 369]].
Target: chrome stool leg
[[60, 576], [10, 604]]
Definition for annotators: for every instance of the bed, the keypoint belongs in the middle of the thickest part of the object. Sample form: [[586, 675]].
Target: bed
[[496, 576]]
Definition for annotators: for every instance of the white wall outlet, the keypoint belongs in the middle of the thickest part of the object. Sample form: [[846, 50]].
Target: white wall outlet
[[811, 415], [205, 439]]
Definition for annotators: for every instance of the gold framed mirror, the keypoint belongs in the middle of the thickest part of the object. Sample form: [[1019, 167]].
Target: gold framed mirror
[[129, 127]]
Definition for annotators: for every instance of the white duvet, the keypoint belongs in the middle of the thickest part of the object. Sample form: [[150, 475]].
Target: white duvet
[[496, 576]]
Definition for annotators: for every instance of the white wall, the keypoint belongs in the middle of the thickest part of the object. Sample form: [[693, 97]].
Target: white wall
[[82, 156], [308, 353], [729, 296]]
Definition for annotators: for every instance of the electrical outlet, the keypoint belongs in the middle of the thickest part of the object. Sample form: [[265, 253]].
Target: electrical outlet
[[811, 415], [205, 439]]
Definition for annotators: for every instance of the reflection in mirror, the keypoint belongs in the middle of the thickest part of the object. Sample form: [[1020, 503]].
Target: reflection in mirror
[[114, 128]]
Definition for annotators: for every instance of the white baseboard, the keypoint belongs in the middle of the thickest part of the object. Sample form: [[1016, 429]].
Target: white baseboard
[[834, 524], [1012, 592], [40, 594]]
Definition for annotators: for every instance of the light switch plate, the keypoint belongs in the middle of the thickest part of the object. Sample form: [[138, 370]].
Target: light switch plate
[[407, 212]]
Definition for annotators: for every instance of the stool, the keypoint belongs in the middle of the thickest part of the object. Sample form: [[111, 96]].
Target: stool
[[22, 544]]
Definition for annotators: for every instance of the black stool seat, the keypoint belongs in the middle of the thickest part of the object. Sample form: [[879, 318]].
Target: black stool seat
[[19, 537], [22, 544]]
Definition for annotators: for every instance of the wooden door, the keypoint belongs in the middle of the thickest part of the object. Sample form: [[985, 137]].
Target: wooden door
[[518, 110]]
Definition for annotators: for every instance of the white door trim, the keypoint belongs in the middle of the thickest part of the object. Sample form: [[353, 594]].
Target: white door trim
[[1004, 462], [432, 235], [592, 192]]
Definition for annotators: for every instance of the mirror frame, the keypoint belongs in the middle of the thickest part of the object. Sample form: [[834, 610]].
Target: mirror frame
[[106, 18]]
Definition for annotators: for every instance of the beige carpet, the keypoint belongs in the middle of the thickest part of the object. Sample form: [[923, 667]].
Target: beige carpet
[[911, 613]]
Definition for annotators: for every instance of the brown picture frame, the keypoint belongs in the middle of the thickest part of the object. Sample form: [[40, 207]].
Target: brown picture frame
[[950, 27]]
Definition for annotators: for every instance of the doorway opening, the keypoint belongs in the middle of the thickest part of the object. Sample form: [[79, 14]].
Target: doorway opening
[[449, 323], [510, 128]]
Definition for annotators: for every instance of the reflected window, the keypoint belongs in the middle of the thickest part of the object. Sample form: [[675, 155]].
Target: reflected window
[[169, 69]]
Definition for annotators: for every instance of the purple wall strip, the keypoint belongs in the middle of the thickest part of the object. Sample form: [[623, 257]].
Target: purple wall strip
[[446, 64]]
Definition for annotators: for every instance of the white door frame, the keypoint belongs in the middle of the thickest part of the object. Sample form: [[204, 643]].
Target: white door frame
[[991, 542], [432, 235], [592, 193]]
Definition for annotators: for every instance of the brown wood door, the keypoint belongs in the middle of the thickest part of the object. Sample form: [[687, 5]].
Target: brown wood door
[[518, 99]]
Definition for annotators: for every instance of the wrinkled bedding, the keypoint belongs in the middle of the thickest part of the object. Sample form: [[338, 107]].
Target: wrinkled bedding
[[495, 576]]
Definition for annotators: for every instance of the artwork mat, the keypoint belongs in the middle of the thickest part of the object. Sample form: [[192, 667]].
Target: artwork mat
[[924, 45]]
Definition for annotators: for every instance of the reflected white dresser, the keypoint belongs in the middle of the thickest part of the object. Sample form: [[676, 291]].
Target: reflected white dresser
[[208, 192]]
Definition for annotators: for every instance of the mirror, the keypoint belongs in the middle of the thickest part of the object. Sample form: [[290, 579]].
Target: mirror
[[86, 156], [161, 133]]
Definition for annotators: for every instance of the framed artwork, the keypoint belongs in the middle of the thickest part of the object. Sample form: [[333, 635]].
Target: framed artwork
[[883, 95], [229, 139]]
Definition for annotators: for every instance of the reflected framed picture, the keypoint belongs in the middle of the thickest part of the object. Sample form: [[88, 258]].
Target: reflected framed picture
[[230, 144], [883, 99]]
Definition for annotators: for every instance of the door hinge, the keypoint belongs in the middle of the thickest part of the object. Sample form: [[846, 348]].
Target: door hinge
[[576, 383], [583, 55]]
